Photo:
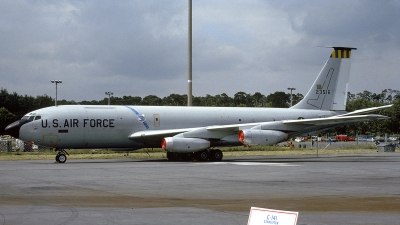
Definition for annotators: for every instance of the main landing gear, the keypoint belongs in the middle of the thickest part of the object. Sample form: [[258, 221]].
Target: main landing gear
[[61, 156], [204, 155]]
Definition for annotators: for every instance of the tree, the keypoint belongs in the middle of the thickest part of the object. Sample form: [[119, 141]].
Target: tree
[[297, 98], [279, 99], [209, 101], [365, 95], [175, 99], [197, 101], [151, 100], [397, 95], [391, 125], [359, 103], [225, 100], [6, 117], [350, 96], [42, 101], [239, 99], [258, 99]]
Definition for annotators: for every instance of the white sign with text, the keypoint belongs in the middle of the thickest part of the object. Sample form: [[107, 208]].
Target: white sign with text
[[260, 216]]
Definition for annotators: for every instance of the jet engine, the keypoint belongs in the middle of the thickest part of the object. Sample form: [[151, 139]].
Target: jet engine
[[184, 145], [252, 137]]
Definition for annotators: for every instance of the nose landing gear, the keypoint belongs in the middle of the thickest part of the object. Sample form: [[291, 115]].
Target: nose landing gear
[[61, 156]]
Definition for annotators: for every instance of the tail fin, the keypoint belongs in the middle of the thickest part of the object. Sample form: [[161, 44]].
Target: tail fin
[[329, 91]]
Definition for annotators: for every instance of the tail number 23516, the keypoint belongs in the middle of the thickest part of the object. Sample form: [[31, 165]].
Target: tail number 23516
[[323, 92]]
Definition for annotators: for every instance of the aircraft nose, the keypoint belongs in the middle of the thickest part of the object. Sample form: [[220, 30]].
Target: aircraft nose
[[13, 128]]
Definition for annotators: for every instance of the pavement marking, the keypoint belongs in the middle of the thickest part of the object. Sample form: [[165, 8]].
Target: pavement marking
[[251, 164]]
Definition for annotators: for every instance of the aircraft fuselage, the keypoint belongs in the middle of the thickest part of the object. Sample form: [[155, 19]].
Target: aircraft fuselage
[[80, 126]]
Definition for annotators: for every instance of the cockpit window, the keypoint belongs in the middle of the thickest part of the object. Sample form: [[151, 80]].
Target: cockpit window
[[31, 117]]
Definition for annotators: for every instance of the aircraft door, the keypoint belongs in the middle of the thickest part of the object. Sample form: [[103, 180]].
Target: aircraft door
[[50, 140], [156, 118]]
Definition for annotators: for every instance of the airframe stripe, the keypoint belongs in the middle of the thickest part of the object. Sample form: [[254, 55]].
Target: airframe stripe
[[140, 117], [341, 54]]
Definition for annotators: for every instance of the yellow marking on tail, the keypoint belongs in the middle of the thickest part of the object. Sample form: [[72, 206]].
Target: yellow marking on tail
[[341, 54]]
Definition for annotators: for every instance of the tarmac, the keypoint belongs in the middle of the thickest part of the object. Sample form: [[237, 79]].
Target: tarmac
[[328, 189]]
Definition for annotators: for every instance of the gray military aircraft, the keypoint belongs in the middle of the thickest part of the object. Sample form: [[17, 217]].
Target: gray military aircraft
[[195, 132]]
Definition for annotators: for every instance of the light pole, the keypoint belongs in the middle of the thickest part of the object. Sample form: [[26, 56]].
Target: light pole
[[190, 84], [56, 82], [291, 89], [109, 96]]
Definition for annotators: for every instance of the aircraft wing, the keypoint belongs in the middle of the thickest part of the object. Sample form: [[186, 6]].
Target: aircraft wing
[[213, 132], [333, 120], [159, 134], [156, 134], [233, 127], [219, 131]]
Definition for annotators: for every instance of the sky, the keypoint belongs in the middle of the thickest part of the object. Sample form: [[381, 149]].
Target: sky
[[140, 48]]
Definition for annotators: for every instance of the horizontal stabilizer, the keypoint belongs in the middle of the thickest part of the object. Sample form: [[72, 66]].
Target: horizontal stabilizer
[[368, 110], [336, 120]]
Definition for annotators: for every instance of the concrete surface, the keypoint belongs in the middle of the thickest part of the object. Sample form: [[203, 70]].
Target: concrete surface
[[329, 189]]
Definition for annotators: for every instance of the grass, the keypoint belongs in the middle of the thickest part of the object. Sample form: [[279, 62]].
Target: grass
[[160, 153]]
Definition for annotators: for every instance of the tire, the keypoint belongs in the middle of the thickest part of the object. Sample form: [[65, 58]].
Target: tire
[[216, 155], [62, 158], [186, 156], [173, 156], [202, 155], [57, 158], [169, 156]]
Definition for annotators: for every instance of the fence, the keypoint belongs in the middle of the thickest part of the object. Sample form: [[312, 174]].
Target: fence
[[5, 145], [12, 144]]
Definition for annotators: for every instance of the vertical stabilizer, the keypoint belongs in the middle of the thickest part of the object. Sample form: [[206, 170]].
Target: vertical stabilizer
[[329, 91]]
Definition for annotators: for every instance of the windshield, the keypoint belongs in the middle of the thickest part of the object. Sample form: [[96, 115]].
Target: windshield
[[31, 117]]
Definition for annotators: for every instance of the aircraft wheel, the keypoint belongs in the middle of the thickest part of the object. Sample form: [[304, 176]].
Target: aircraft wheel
[[173, 156], [186, 156], [57, 158], [202, 156], [216, 155], [62, 158], [169, 156]]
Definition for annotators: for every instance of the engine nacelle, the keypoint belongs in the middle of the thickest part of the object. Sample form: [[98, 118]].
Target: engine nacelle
[[184, 145], [261, 137]]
